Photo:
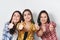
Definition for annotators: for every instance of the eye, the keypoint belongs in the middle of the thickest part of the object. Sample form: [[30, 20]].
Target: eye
[[44, 16], [18, 15], [14, 15], [29, 14], [24, 14], [41, 17]]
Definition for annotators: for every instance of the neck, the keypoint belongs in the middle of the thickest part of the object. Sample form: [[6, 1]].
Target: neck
[[43, 24], [27, 22], [15, 23]]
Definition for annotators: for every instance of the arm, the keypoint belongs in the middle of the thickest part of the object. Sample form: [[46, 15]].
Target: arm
[[19, 26], [6, 34], [36, 26], [39, 32], [6, 29], [52, 26]]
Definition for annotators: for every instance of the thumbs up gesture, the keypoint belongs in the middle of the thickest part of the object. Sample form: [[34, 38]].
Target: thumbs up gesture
[[10, 26], [21, 25], [36, 26], [52, 26]]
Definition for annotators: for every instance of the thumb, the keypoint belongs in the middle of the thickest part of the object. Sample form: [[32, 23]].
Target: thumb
[[21, 21]]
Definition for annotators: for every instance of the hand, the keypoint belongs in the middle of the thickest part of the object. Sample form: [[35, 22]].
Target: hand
[[36, 26], [40, 33], [51, 28], [21, 26], [10, 25]]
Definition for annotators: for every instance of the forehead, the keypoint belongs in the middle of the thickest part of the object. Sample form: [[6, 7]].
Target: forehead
[[43, 14], [16, 13], [26, 12]]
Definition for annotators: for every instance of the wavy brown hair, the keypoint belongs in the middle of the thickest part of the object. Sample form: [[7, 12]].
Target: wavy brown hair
[[14, 27], [38, 20]]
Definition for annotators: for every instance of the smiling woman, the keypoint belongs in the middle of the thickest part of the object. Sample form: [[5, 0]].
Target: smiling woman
[[52, 7], [27, 32], [47, 28], [10, 28]]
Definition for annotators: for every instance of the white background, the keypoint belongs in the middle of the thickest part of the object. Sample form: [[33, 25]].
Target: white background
[[51, 6]]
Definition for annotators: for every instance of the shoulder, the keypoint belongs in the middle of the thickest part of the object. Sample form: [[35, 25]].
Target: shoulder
[[53, 24], [18, 23], [32, 24], [7, 23]]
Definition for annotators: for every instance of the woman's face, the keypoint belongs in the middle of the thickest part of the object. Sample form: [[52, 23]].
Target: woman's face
[[27, 16], [43, 18], [16, 17]]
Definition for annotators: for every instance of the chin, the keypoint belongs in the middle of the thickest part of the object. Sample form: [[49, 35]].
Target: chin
[[43, 22], [15, 22], [28, 20]]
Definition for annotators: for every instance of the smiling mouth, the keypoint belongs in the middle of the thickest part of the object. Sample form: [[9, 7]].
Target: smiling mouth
[[27, 18]]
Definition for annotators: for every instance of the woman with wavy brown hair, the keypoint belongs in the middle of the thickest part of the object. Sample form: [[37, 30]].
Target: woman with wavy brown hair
[[27, 32], [47, 28], [10, 31]]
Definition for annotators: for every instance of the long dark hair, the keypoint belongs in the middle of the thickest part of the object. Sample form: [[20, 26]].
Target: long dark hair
[[38, 20], [14, 27], [30, 14]]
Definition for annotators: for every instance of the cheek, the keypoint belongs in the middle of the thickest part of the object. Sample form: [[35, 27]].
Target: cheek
[[18, 18], [41, 19], [13, 18], [30, 17], [24, 17], [46, 19]]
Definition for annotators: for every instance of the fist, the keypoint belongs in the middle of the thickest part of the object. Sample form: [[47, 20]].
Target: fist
[[51, 27], [20, 27], [36, 26], [10, 25], [39, 33]]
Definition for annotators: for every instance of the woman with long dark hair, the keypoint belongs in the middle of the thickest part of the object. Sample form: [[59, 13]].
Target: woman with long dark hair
[[28, 26], [10, 30], [47, 28]]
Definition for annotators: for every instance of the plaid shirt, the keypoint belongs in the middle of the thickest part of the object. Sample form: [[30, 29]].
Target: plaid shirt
[[6, 34], [49, 35]]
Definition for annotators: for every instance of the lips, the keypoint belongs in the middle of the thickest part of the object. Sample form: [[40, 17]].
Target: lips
[[27, 18], [43, 20], [16, 19]]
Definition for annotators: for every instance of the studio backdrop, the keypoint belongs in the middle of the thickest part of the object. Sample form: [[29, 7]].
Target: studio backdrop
[[7, 7]]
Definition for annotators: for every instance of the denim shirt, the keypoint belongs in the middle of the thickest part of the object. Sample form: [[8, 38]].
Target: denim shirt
[[6, 33]]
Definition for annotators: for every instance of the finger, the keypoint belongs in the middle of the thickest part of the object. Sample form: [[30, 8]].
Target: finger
[[51, 25], [21, 21], [36, 22]]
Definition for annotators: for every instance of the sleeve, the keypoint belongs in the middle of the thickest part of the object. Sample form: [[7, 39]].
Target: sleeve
[[33, 28], [18, 26], [39, 32], [6, 29], [6, 34], [53, 23], [47, 27]]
